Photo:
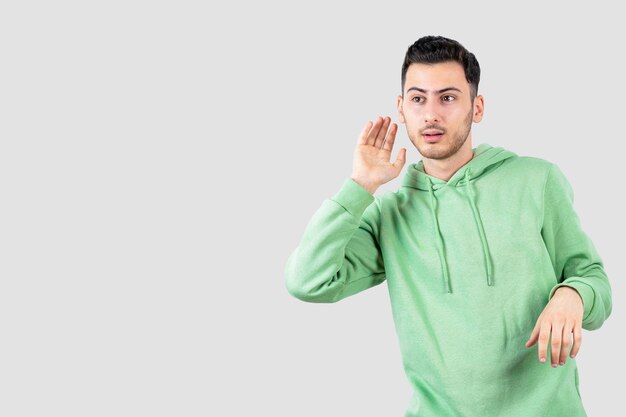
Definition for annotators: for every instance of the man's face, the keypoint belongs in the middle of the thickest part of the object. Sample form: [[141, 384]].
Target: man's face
[[437, 97]]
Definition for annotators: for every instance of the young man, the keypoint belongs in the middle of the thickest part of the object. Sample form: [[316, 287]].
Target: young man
[[481, 249]]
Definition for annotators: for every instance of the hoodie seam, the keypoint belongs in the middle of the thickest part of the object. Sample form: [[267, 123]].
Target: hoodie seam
[[486, 174], [379, 223], [346, 210], [415, 179], [346, 283], [343, 207], [364, 217], [543, 196]]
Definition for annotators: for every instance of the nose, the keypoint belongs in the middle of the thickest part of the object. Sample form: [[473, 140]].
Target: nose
[[431, 112]]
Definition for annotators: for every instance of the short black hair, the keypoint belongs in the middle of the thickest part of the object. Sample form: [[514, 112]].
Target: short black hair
[[435, 49]]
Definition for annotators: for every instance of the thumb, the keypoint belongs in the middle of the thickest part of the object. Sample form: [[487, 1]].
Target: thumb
[[400, 159]]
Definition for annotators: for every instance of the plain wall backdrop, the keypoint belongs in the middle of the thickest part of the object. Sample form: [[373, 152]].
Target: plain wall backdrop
[[159, 161]]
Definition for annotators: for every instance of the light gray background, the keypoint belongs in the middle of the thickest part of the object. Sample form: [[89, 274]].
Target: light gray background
[[160, 160]]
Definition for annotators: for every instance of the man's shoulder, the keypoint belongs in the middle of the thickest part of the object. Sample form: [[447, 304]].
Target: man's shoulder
[[527, 162], [529, 168]]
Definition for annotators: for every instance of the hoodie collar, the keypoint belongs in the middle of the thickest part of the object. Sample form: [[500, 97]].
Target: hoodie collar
[[485, 159]]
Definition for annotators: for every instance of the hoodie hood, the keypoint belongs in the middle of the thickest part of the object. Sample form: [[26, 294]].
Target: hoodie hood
[[485, 159]]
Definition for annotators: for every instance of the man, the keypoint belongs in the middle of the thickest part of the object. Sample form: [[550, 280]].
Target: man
[[481, 249]]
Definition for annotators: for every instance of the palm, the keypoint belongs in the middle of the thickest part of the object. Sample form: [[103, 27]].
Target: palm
[[372, 155], [375, 161]]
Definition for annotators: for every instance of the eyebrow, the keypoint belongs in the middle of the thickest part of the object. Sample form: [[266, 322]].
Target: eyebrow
[[437, 92]]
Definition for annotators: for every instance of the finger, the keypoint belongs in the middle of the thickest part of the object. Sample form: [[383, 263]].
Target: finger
[[555, 345], [380, 137], [544, 337], [391, 138], [533, 335], [578, 338], [400, 159], [364, 133], [373, 133], [566, 342]]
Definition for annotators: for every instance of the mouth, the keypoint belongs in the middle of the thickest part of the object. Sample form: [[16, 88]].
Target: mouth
[[432, 137]]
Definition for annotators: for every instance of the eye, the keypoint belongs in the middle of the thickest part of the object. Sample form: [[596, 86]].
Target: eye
[[413, 99], [453, 98]]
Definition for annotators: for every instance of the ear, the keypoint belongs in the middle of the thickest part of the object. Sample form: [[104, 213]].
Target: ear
[[400, 112], [479, 108]]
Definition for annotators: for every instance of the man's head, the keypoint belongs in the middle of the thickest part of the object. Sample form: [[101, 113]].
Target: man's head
[[440, 93]]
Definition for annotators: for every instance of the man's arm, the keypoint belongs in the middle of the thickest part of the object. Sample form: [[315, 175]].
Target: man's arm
[[575, 259], [338, 255]]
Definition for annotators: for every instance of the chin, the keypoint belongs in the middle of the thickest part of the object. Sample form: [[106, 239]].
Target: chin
[[435, 150]]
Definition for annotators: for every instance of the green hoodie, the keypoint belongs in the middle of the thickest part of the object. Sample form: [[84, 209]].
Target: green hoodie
[[470, 264]]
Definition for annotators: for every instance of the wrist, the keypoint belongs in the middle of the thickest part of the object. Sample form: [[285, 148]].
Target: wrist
[[570, 289], [368, 186]]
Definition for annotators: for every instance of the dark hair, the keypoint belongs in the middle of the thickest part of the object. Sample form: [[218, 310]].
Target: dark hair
[[435, 49]]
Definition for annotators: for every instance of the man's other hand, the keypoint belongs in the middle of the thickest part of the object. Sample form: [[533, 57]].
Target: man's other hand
[[562, 316]]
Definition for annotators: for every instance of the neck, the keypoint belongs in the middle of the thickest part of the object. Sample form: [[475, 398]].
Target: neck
[[444, 169]]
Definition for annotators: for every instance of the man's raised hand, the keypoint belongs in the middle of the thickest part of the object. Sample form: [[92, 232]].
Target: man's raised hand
[[372, 167]]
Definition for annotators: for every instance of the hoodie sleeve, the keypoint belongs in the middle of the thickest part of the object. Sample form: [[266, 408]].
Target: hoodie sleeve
[[576, 261], [338, 254]]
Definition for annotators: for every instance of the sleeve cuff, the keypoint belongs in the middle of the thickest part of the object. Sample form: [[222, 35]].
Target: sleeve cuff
[[353, 197], [584, 290]]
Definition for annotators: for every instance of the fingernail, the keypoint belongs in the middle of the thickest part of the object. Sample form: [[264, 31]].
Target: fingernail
[[554, 365], [561, 363], [542, 359]]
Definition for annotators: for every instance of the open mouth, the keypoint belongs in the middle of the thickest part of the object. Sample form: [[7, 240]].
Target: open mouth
[[432, 137]]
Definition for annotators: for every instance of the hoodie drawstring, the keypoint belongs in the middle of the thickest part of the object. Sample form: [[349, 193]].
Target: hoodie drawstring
[[481, 229], [440, 249], [479, 225]]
